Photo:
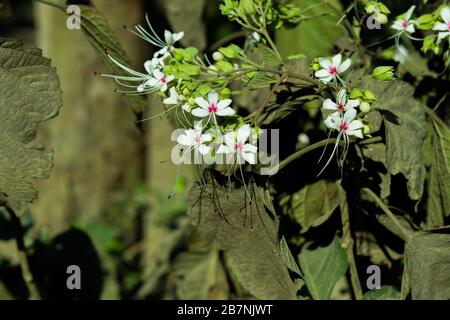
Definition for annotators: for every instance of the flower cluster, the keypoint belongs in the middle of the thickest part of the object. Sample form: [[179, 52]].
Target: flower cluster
[[341, 112], [174, 74]]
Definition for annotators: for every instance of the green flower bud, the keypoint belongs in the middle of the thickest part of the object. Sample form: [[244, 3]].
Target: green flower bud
[[191, 101], [372, 9], [224, 66], [364, 107], [356, 93], [383, 73], [369, 96], [315, 66], [247, 7], [366, 130], [382, 18], [231, 52], [217, 56]]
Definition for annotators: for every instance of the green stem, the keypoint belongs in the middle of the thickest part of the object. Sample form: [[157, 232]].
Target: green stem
[[348, 243], [388, 212], [23, 258]]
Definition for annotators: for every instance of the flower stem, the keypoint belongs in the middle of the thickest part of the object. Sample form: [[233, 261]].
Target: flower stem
[[23, 258]]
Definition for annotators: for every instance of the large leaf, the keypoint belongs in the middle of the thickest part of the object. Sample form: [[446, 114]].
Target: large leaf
[[314, 37], [200, 275], [29, 94], [323, 267], [313, 204], [246, 233], [406, 129], [438, 201], [427, 264]]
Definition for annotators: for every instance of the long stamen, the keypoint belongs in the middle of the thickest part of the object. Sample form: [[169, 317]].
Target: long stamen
[[334, 150]]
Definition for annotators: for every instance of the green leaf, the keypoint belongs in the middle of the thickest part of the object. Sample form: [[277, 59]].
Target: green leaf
[[313, 204], [406, 129], [323, 267], [438, 201], [29, 94], [285, 253], [314, 37], [102, 38], [199, 275], [246, 233], [424, 252], [384, 293]]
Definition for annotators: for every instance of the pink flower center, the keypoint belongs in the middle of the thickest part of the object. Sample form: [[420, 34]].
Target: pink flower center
[[404, 24], [163, 80], [332, 70], [239, 146], [212, 108], [197, 139], [344, 126], [448, 25], [341, 106]]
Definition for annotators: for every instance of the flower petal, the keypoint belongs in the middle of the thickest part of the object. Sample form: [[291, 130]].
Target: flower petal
[[336, 60], [177, 36], [222, 104], [440, 26], [344, 66], [324, 63], [356, 133], [213, 97], [199, 112], [397, 25], [249, 157], [342, 96], [225, 112], [224, 149], [207, 137], [410, 28], [244, 133], [203, 149], [333, 121], [250, 148], [355, 125], [349, 115], [351, 104], [328, 104], [202, 103], [445, 14], [322, 73]]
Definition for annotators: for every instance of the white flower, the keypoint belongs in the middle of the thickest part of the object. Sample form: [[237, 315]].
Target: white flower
[[155, 63], [143, 79], [341, 104], [174, 97], [332, 68], [151, 37], [443, 27], [346, 124], [235, 144], [194, 139], [213, 106], [158, 81], [406, 24]]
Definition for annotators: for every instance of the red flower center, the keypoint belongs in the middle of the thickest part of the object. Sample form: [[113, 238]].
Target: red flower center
[[404, 24], [344, 126], [197, 139], [448, 25], [332, 70], [163, 80], [239, 146], [341, 106], [212, 108]]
